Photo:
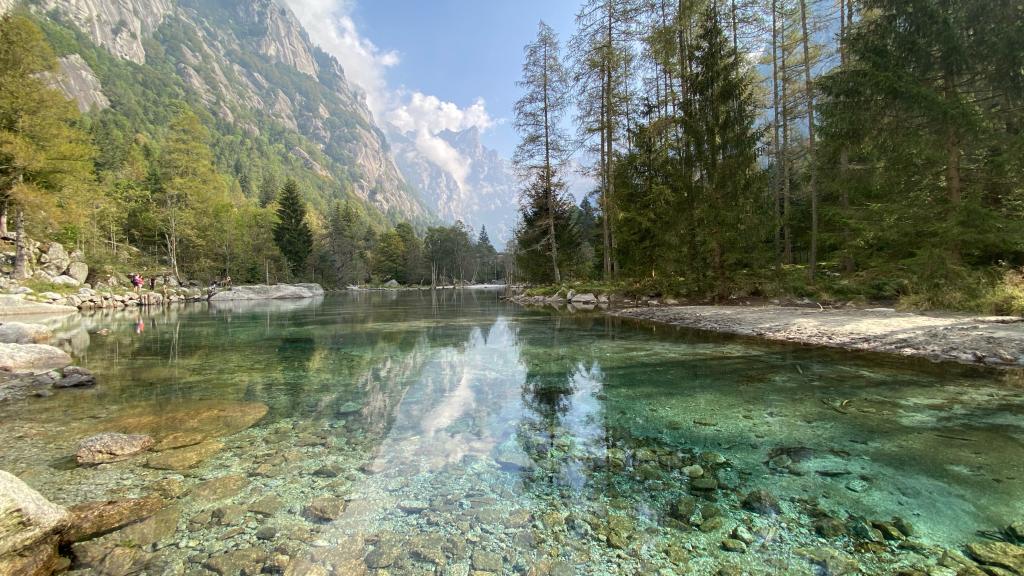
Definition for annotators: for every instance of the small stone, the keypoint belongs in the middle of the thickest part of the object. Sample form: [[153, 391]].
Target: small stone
[[888, 530], [267, 532], [327, 508], [742, 534], [732, 545], [413, 506], [908, 529], [488, 561], [857, 485], [704, 484], [761, 502], [712, 458], [682, 508], [220, 488], [694, 472], [111, 447], [266, 506], [712, 524], [244, 561], [829, 528]]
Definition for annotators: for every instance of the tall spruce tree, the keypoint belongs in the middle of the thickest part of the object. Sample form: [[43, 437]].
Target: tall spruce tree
[[292, 233]]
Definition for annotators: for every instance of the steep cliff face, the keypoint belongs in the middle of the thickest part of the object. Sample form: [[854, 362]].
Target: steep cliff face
[[250, 64], [487, 196], [117, 25], [78, 81]]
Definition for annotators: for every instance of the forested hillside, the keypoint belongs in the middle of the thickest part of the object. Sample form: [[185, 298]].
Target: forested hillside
[[864, 149], [165, 144]]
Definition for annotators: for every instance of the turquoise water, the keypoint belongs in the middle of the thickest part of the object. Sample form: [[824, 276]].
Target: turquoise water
[[451, 432]]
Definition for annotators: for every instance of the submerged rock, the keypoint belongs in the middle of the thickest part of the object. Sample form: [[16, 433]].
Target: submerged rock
[[29, 529], [220, 488], [244, 561], [999, 555], [761, 502], [111, 447], [184, 458], [92, 519], [75, 377], [327, 508], [210, 419]]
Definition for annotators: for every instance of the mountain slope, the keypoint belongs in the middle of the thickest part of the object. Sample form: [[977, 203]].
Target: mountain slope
[[486, 196], [268, 91]]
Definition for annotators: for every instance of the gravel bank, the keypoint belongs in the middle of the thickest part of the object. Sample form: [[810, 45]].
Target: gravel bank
[[989, 340]]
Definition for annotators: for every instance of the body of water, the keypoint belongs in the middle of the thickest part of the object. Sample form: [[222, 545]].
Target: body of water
[[450, 432]]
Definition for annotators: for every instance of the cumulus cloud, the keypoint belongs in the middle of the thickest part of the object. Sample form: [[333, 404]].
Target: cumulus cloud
[[423, 116], [330, 25]]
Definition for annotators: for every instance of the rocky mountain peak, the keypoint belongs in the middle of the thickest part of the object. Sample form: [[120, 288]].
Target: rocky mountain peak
[[280, 36]]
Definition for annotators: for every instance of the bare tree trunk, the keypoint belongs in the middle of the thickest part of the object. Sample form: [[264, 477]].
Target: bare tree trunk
[[844, 154], [787, 230], [777, 181], [3, 218], [20, 250], [813, 184]]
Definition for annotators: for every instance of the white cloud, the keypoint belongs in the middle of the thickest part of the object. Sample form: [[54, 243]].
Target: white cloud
[[330, 24]]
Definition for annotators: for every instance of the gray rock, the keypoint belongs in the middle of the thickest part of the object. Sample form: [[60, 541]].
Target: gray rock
[[31, 357], [54, 259], [264, 292], [16, 305], [29, 528], [111, 447], [65, 280], [584, 299], [20, 333], [75, 377], [78, 270], [761, 502]]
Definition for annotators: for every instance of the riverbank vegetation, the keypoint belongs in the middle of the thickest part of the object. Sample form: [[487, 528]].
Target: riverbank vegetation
[[154, 184], [865, 149]]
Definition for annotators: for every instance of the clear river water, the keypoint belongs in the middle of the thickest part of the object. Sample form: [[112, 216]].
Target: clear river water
[[452, 433]]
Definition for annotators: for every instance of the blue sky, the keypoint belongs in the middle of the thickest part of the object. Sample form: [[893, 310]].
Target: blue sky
[[426, 64]]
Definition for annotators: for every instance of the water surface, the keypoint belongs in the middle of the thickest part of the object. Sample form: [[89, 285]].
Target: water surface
[[460, 433]]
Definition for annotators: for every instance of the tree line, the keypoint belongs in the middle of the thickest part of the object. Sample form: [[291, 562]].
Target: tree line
[[158, 199], [847, 148]]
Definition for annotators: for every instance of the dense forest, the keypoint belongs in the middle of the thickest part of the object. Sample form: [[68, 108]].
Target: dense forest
[[859, 149], [149, 185]]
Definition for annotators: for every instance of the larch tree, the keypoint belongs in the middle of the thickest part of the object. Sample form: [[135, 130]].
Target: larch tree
[[543, 150]]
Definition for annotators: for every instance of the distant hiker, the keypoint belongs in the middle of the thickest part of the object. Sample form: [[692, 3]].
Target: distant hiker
[[152, 283], [227, 282], [136, 282]]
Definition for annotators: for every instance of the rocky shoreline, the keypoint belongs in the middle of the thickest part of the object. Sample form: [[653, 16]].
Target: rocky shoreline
[[996, 341]]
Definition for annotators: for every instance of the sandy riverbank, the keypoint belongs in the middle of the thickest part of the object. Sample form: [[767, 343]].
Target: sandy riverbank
[[989, 340]]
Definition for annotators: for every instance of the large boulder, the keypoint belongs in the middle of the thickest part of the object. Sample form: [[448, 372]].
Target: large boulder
[[16, 305], [111, 447], [263, 292], [31, 357], [54, 259], [21, 333], [78, 270], [30, 526]]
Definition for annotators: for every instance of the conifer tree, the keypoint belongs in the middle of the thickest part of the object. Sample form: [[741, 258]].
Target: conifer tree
[[544, 147], [291, 232]]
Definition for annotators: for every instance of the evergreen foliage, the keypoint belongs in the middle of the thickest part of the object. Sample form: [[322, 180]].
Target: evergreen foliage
[[291, 232]]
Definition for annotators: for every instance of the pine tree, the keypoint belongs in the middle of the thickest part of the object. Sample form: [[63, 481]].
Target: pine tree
[[291, 232]]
